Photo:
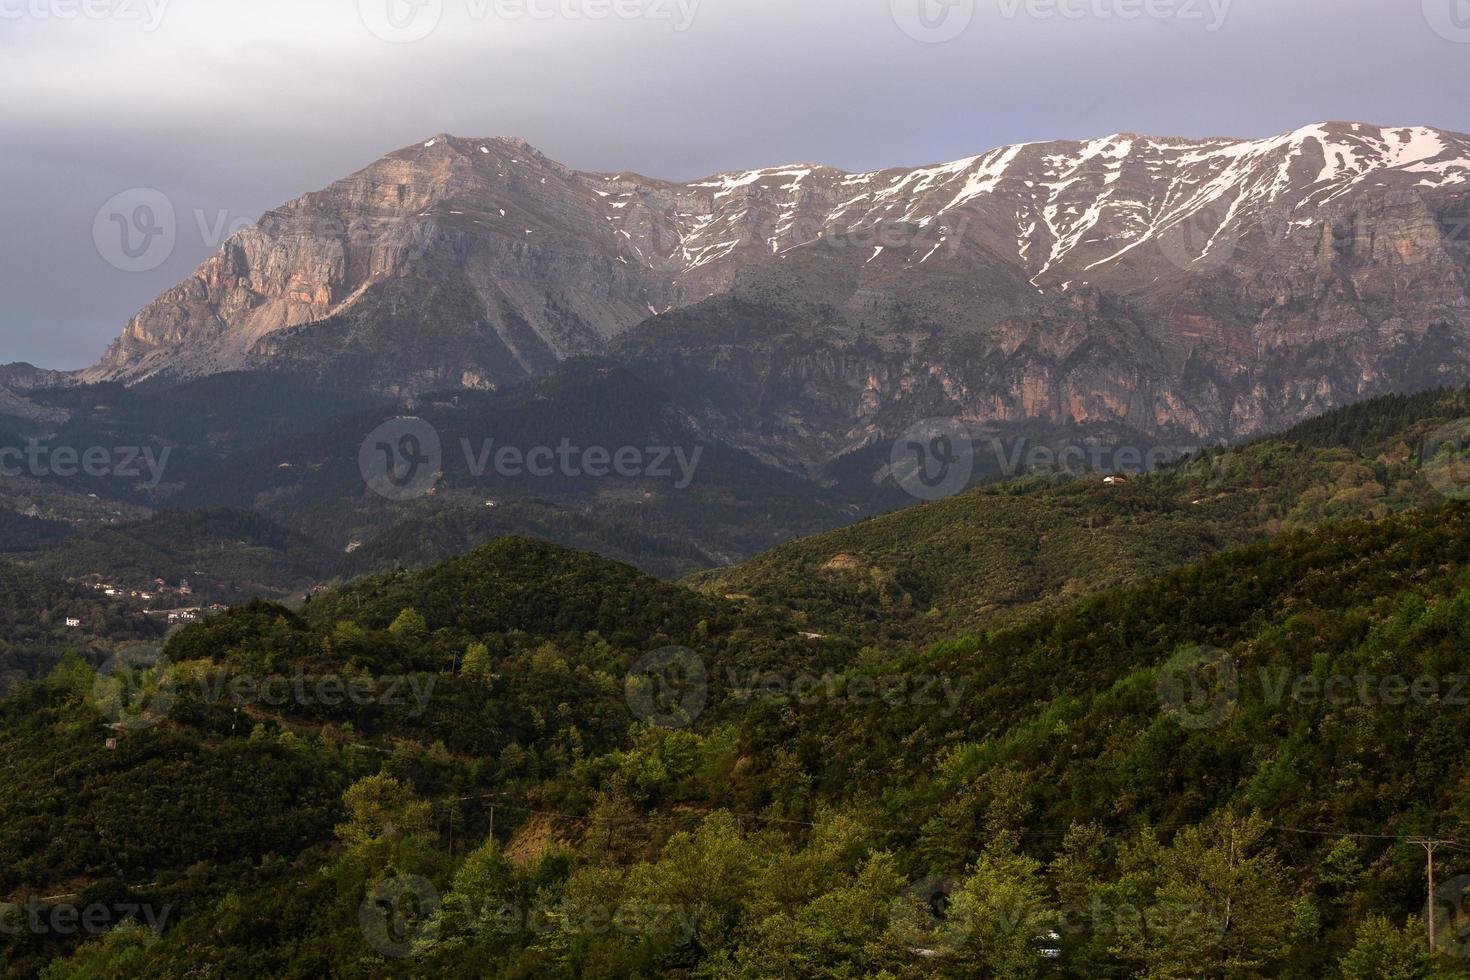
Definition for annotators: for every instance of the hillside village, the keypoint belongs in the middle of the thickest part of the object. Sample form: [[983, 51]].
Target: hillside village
[[172, 600]]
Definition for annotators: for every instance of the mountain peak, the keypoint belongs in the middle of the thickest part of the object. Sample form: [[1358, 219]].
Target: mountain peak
[[514, 262], [496, 146]]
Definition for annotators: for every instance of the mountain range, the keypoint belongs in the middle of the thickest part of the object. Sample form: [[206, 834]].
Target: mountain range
[[790, 324], [1218, 287]]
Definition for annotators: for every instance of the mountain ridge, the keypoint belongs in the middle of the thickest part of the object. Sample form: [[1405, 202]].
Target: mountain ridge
[[1220, 287]]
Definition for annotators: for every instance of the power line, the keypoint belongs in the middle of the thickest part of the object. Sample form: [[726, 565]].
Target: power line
[[651, 819], [1344, 833]]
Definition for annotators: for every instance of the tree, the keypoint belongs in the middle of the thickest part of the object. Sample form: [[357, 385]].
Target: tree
[[1342, 869], [705, 877], [1222, 906], [387, 825], [477, 665], [834, 935], [1004, 906], [120, 952], [409, 625], [1383, 951], [1082, 877], [477, 898]]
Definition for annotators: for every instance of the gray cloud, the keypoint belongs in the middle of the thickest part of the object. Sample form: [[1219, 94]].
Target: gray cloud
[[229, 109]]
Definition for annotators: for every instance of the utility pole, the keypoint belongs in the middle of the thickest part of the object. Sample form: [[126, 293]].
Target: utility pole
[[1431, 909]]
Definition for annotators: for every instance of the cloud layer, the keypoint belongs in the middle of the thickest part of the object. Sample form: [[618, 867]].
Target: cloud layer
[[229, 109]]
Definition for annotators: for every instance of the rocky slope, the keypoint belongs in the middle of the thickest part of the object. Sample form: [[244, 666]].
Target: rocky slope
[[17, 378], [1214, 287]]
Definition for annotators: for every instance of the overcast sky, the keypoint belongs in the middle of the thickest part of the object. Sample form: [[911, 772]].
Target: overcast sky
[[228, 107]]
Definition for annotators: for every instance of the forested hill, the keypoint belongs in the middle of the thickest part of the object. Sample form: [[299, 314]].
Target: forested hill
[[1001, 553], [1188, 777], [222, 552], [35, 610]]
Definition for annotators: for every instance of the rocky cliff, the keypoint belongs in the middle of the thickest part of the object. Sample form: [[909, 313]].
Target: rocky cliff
[[1217, 287]]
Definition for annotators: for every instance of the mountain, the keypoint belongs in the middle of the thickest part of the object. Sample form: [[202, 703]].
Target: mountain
[[21, 377], [789, 325], [1216, 287], [1011, 550]]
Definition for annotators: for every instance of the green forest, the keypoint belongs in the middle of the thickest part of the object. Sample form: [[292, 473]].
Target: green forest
[[1225, 750]]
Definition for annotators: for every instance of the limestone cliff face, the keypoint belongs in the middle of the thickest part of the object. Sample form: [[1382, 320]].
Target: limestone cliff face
[[1216, 287], [20, 377]]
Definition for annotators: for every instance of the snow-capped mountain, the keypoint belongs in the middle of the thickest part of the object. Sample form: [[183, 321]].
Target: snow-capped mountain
[[1321, 264]]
